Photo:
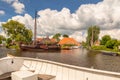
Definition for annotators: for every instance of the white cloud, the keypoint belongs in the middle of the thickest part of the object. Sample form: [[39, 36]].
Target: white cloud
[[52, 20], [114, 33], [26, 19], [19, 7], [1, 31], [8, 1], [2, 12], [79, 35], [105, 14]]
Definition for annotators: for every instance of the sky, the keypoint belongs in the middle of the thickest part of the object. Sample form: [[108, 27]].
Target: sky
[[72, 17]]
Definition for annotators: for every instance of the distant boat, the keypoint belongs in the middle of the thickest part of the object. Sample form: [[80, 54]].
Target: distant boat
[[75, 47], [109, 53]]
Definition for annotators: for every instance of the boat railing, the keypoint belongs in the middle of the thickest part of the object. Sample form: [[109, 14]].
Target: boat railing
[[60, 70], [89, 70]]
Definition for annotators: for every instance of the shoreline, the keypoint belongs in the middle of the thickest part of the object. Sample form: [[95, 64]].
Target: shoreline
[[107, 52]]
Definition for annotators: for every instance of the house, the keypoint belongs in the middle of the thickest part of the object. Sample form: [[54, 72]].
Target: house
[[68, 43], [97, 43]]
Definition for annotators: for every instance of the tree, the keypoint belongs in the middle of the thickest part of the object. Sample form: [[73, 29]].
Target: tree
[[84, 44], [8, 42], [104, 40], [93, 35], [65, 35], [118, 42], [17, 32], [111, 43], [57, 36], [2, 38]]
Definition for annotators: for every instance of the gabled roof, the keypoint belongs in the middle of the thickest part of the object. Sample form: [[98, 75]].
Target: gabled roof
[[46, 40], [68, 41]]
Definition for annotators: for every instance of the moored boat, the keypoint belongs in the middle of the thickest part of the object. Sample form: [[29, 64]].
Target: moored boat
[[109, 53], [44, 44], [75, 47], [40, 48]]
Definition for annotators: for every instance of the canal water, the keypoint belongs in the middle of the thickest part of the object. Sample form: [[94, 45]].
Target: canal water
[[78, 57]]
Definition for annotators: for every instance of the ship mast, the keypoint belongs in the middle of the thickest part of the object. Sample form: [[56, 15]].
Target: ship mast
[[35, 29]]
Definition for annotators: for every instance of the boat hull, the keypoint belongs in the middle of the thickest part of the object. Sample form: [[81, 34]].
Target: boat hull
[[109, 53], [59, 70], [33, 48]]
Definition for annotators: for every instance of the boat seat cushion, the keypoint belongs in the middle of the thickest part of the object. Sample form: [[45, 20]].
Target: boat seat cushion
[[45, 77]]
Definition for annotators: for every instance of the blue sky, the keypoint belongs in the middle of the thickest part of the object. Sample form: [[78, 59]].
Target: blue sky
[[32, 5], [72, 17]]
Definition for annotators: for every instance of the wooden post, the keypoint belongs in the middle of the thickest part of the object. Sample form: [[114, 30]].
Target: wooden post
[[35, 29]]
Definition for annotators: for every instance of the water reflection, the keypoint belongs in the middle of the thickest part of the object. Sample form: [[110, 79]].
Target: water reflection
[[3, 52], [79, 57]]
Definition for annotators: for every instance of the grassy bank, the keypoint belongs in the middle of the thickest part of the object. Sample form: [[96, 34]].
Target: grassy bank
[[103, 48]]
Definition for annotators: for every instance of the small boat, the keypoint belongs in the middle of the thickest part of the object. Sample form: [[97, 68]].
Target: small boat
[[109, 53], [49, 70], [75, 47]]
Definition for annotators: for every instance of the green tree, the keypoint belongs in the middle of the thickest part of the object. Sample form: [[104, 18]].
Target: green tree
[[111, 43], [17, 32], [93, 35], [65, 35], [84, 44], [8, 42], [57, 36], [2, 38], [104, 40]]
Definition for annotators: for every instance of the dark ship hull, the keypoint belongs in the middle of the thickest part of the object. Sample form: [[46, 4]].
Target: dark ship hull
[[40, 48]]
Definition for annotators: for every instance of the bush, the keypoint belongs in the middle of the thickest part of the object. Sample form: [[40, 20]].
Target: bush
[[14, 47], [104, 40], [101, 47], [111, 44], [67, 46]]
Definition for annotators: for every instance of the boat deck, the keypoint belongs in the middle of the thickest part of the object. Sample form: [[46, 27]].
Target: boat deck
[[60, 71]]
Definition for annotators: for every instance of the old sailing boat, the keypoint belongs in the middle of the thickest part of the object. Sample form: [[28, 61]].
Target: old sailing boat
[[45, 44]]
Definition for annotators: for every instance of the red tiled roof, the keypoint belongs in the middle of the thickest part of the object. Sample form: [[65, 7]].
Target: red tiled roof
[[68, 41]]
